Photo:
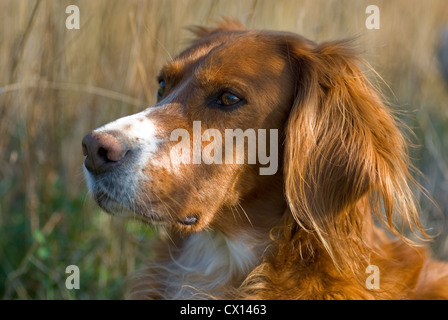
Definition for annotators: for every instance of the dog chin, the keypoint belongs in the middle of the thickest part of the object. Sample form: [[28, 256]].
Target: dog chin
[[109, 205], [118, 209]]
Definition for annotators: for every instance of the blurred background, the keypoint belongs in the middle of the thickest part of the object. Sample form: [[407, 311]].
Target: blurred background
[[58, 84]]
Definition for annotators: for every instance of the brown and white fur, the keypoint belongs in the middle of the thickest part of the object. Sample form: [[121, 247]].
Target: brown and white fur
[[305, 232]]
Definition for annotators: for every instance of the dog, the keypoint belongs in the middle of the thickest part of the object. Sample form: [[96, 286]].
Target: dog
[[324, 223]]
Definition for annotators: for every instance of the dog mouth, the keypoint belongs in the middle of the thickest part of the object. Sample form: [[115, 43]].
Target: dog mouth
[[129, 208], [147, 213], [111, 195]]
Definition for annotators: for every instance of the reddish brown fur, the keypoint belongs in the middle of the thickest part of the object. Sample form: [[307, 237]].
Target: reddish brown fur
[[344, 161]]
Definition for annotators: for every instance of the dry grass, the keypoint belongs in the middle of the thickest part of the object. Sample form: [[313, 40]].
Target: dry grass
[[57, 84]]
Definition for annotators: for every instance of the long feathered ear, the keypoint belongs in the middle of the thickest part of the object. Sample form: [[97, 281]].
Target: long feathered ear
[[343, 145]]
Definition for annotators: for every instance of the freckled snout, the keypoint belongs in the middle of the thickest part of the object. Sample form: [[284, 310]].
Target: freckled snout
[[103, 152]]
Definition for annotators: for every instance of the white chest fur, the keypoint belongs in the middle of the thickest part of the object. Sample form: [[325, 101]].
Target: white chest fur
[[205, 265]]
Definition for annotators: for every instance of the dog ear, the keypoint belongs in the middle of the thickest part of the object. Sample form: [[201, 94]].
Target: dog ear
[[342, 145], [225, 24]]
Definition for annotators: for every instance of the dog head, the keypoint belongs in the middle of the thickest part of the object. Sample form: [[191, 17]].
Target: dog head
[[306, 106]]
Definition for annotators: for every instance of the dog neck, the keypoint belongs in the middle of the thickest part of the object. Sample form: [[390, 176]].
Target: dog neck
[[255, 212], [200, 266], [209, 263]]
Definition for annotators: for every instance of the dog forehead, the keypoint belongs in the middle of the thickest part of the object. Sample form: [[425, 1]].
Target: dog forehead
[[237, 47], [209, 42], [246, 55], [243, 48]]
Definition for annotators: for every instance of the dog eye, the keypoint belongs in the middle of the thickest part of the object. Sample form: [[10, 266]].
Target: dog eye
[[228, 99], [161, 90]]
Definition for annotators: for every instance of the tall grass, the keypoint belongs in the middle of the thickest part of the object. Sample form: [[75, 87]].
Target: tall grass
[[58, 84]]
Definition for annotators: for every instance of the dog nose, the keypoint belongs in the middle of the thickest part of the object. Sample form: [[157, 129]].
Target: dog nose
[[103, 151]]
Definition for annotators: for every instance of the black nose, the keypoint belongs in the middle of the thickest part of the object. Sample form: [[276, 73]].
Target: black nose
[[103, 151]]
